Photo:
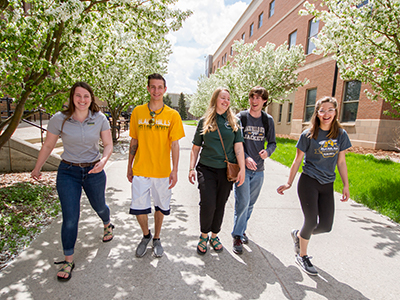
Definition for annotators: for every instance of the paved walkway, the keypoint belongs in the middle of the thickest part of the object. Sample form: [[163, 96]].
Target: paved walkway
[[359, 259]]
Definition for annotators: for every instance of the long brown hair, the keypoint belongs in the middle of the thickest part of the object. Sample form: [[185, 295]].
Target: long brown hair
[[315, 122], [71, 106], [210, 117]]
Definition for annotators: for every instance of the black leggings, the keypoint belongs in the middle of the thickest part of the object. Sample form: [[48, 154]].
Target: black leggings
[[214, 192], [317, 203]]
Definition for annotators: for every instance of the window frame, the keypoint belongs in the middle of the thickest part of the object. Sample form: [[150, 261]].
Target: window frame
[[309, 36], [260, 19], [251, 30], [346, 103], [295, 40], [290, 112], [243, 36], [271, 12], [308, 105], [280, 113]]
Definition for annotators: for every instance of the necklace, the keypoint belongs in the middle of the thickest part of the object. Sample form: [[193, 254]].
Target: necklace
[[153, 114]]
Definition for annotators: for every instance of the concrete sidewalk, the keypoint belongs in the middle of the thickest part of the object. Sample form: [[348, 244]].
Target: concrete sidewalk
[[359, 259]]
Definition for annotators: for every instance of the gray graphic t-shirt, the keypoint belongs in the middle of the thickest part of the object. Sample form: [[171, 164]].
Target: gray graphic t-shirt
[[321, 155]]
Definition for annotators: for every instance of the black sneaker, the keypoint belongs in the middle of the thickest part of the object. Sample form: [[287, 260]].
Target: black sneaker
[[245, 239], [237, 245], [296, 241], [306, 265]]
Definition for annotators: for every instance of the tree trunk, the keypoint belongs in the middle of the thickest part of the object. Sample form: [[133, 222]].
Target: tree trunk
[[15, 118]]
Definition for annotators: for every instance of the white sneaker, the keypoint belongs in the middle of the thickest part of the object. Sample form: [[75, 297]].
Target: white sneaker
[[306, 265]]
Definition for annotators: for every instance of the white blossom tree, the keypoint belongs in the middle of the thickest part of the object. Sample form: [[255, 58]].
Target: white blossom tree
[[270, 67], [364, 38], [41, 42], [118, 72]]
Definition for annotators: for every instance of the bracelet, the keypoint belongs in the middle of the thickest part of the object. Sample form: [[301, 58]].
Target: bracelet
[[191, 169]]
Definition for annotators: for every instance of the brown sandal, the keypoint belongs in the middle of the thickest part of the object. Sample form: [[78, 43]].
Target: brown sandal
[[108, 232]]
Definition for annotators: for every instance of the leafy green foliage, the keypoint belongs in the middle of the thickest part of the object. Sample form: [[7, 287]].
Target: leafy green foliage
[[24, 208]]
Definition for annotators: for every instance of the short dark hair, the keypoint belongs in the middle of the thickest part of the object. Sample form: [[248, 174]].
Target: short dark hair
[[155, 76], [259, 90]]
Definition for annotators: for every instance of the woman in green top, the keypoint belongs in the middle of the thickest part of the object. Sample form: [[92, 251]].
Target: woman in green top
[[211, 168]]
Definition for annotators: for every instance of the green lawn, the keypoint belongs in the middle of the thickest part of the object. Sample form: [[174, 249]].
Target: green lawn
[[190, 122], [373, 182]]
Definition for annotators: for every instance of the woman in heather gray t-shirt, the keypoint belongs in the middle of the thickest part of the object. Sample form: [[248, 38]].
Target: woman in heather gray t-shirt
[[322, 147], [80, 127]]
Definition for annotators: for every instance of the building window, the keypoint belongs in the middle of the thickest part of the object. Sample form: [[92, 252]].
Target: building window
[[251, 29], [224, 58], [312, 32], [218, 65], [350, 101], [243, 36], [280, 113], [289, 116], [271, 8], [292, 39], [231, 51], [260, 19], [310, 104]]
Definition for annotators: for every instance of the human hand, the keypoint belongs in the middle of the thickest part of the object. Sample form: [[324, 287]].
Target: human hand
[[283, 187], [192, 176], [251, 164], [345, 194], [129, 174], [173, 179], [241, 177], [263, 154], [98, 167], [36, 174]]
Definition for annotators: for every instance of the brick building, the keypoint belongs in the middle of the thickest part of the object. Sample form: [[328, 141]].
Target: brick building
[[278, 21]]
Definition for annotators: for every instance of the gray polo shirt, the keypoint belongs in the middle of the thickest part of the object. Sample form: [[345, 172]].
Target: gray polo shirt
[[80, 140]]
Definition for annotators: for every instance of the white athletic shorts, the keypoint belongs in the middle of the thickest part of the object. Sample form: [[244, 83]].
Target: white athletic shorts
[[145, 188]]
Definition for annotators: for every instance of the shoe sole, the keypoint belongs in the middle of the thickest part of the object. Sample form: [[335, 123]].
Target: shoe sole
[[305, 271]]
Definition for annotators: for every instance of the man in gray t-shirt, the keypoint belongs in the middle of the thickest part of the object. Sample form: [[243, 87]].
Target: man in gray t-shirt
[[258, 128]]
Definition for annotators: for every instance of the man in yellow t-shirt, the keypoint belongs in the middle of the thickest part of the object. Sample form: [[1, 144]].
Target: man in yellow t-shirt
[[155, 130]]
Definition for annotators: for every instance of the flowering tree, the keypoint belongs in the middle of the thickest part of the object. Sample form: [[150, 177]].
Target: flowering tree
[[118, 72], [43, 41], [270, 67], [364, 37]]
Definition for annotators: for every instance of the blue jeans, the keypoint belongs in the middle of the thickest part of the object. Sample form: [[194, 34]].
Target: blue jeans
[[245, 197], [70, 181]]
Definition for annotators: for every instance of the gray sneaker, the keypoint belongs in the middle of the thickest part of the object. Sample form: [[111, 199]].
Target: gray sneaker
[[157, 248], [237, 245], [306, 265], [142, 247], [296, 241]]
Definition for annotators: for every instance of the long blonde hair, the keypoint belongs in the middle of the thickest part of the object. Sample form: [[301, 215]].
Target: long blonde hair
[[315, 122], [210, 116]]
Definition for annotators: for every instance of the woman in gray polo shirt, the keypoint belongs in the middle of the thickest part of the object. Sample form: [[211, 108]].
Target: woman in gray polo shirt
[[80, 126]]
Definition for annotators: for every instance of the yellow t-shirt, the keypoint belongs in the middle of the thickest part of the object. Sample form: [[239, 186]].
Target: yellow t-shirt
[[153, 155]]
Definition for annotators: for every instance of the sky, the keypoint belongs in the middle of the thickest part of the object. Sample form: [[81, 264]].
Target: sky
[[202, 33]]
